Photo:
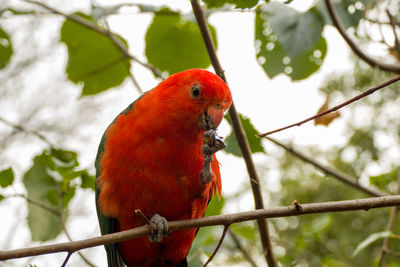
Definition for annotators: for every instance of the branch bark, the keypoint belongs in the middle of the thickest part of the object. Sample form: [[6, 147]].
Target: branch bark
[[357, 97], [335, 173], [239, 134], [371, 61], [227, 219]]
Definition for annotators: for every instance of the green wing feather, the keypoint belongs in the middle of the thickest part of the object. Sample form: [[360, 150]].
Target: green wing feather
[[108, 225]]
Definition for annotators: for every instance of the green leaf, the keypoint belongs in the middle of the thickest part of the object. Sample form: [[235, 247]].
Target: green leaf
[[369, 240], [43, 225], [6, 49], [2, 197], [174, 44], [255, 142], [6, 177], [293, 50], [381, 181], [93, 59], [215, 206], [242, 4]]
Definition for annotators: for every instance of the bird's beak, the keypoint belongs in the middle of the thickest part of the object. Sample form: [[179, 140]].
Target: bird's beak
[[212, 117]]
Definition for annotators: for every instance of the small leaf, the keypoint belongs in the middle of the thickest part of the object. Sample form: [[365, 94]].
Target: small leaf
[[93, 58], [215, 206], [369, 240], [255, 142], [328, 118], [88, 181], [2, 197], [6, 177], [6, 49], [381, 181], [174, 44]]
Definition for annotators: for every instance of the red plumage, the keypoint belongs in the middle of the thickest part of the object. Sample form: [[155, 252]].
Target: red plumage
[[152, 161]]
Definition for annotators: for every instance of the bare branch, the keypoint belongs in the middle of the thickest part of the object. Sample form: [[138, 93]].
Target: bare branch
[[226, 219], [39, 204], [335, 173], [239, 134], [226, 227], [396, 38], [117, 41], [371, 61], [392, 218], [357, 97]]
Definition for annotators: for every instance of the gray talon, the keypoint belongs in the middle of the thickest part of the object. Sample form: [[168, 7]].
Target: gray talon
[[212, 144], [162, 228]]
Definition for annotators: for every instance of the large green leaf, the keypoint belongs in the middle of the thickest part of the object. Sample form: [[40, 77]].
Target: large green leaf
[[297, 49], [6, 49], [43, 224], [6, 177], [51, 178], [174, 44], [237, 3], [255, 142], [93, 58]]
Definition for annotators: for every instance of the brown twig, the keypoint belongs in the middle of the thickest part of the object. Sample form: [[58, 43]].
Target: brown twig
[[140, 213], [335, 173], [226, 227], [116, 40], [371, 61], [239, 134], [226, 219], [357, 97], [37, 203], [241, 249], [396, 37], [66, 259], [392, 218]]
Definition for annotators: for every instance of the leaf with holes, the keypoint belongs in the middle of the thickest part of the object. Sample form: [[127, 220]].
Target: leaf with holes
[[174, 44], [290, 50], [6, 49], [93, 58], [255, 142]]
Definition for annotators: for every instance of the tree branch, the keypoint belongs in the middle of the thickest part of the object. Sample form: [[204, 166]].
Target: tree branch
[[90, 25], [240, 247], [335, 173], [392, 218], [226, 219], [226, 227], [396, 38], [239, 134], [371, 61], [357, 97]]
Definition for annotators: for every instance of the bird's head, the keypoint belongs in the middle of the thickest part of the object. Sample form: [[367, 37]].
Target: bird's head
[[197, 97]]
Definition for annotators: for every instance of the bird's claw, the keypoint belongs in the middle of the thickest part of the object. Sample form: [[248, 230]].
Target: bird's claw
[[162, 228], [212, 144]]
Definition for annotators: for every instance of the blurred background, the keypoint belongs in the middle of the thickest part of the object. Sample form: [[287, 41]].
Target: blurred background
[[61, 85]]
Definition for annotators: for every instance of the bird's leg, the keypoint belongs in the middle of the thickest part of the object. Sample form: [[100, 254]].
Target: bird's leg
[[162, 228], [212, 144]]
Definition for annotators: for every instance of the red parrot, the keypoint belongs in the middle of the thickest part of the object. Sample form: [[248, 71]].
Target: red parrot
[[153, 158]]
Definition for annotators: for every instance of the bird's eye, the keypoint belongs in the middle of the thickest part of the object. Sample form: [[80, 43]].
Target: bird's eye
[[195, 91]]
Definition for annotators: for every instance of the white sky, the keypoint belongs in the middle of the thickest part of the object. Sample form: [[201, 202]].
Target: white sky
[[269, 103]]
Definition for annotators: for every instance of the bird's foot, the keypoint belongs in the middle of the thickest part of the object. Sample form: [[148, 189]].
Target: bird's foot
[[212, 144], [162, 228]]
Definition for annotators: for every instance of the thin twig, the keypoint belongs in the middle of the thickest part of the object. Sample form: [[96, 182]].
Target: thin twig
[[66, 259], [394, 253], [335, 173], [226, 227], [239, 134], [20, 128], [239, 246], [396, 37], [144, 217], [371, 61], [37, 203], [357, 97], [392, 218], [226, 219], [90, 25]]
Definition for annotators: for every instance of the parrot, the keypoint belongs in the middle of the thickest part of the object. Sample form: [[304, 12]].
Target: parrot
[[158, 156]]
